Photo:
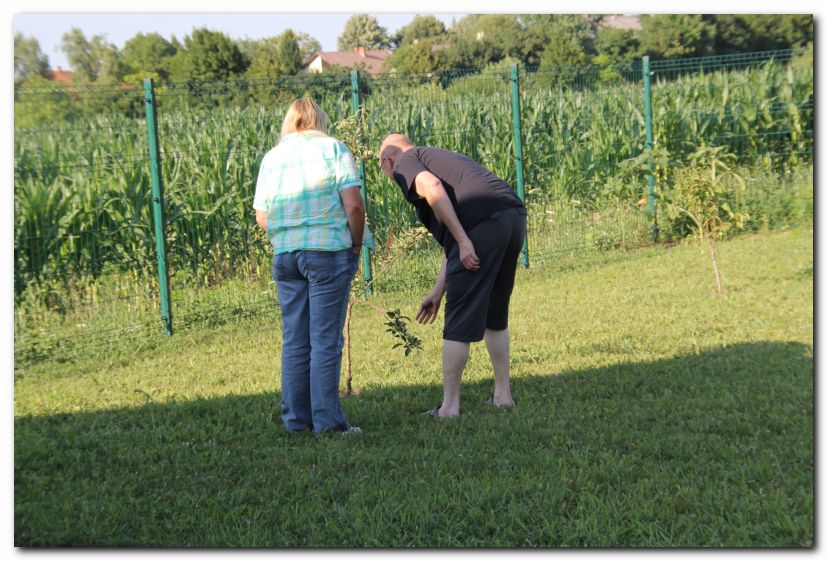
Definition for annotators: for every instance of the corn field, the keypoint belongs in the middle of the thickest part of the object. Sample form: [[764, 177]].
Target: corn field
[[84, 243]]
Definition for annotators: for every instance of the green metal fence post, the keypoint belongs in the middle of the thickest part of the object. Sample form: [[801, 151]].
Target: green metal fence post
[[367, 273], [157, 202], [518, 148], [650, 143]]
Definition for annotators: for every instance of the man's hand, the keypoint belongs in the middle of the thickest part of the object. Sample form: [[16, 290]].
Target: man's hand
[[429, 187], [428, 310], [468, 256]]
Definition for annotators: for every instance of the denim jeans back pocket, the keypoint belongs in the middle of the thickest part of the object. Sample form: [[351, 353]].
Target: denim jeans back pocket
[[284, 267], [320, 266]]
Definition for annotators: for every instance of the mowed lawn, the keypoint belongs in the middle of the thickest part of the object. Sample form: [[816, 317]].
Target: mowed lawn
[[651, 412]]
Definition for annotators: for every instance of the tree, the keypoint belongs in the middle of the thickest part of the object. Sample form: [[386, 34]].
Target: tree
[[363, 30], [78, 50], [479, 40], [676, 35], [29, 60], [421, 27], [779, 31], [569, 41], [91, 60], [39, 101], [263, 58], [111, 69], [148, 54], [544, 30], [289, 54], [308, 47], [563, 63], [416, 58], [276, 56], [732, 34], [502, 32], [703, 196], [207, 55], [618, 45], [565, 50]]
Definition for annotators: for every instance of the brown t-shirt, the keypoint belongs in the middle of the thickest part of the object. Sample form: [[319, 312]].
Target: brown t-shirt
[[474, 192]]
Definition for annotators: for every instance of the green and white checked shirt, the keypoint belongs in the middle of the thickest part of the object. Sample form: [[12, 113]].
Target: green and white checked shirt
[[298, 186]]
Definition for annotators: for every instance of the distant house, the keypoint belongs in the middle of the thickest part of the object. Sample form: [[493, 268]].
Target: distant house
[[371, 60], [621, 21], [60, 75]]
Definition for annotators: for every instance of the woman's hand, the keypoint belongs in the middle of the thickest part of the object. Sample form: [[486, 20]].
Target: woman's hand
[[428, 310]]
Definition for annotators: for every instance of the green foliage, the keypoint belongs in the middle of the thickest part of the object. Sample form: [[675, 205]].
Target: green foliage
[[493, 79], [398, 327], [137, 79], [276, 56], [91, 59], [564, 64], [207, 56], [702, 194], [308, 46], [148, 55], [417, 59], [733, 34], [29, 61], [676, 35], [779, 31], [289, 54], [567, 59], [265, 61], [352, 131], [363, 30], [331, 86], [420, 27], [41, 103], [739, 33], [480, 40], [618, 45], [563, 39]]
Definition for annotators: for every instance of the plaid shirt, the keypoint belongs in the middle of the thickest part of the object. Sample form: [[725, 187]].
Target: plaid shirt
[[298, 186]]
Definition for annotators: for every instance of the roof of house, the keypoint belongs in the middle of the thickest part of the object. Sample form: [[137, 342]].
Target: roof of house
[[372, 60], [621, 21], [60, 75]]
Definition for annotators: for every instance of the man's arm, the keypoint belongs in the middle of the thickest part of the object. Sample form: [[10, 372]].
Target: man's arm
[[429, 187], [430, 304]]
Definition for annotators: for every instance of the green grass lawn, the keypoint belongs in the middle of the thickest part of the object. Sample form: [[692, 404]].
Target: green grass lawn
[[651, 413]]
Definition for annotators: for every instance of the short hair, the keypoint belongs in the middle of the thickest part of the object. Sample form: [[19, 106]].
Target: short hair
[[304, 114]]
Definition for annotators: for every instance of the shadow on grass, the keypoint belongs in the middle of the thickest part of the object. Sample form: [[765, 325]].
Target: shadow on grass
[[712, 449]]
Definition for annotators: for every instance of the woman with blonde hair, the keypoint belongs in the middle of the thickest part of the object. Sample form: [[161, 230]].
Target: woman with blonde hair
[[308, 202]]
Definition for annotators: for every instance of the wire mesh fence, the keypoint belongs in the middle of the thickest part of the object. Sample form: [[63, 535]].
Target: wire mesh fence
[[85, 256]]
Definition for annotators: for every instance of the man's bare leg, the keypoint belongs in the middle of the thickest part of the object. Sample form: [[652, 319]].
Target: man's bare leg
[[454, 359], [498, 344]]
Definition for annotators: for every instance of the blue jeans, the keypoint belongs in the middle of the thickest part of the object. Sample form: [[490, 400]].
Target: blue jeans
[[314, 289]]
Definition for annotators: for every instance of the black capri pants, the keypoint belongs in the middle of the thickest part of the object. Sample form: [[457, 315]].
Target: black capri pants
[[478, 300]]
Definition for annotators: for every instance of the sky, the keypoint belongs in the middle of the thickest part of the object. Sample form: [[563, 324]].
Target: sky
[[48, 28]]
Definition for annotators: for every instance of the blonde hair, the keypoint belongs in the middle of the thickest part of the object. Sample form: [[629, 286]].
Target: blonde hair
[[304, 114]]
